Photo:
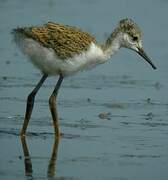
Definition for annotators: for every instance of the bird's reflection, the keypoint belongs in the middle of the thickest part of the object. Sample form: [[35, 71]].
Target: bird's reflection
[[28, 162]]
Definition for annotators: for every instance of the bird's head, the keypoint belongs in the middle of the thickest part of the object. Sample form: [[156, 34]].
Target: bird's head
[[131, 38]]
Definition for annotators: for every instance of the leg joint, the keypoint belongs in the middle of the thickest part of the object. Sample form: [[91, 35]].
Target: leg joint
[[30, 98], [52, 100]]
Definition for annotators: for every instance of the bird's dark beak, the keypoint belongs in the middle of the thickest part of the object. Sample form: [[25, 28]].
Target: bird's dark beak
[[142, 53]]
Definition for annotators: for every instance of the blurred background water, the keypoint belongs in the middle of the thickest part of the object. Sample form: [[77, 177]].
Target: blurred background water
[[113, 118]]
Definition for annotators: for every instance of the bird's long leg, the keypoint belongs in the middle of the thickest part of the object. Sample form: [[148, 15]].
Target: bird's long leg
[[52, 104], [30, 104], [52, 163], [27, 159]]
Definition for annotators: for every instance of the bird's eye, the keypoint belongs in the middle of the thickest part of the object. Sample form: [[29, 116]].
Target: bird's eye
[[134, 38]]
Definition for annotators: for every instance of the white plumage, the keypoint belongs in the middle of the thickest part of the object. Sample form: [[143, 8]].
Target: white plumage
[[48, 62]]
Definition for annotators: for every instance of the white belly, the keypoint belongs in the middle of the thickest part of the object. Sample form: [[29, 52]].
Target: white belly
[[47, 61]]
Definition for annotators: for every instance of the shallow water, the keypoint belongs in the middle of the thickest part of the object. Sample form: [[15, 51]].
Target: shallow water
[[113, 119]]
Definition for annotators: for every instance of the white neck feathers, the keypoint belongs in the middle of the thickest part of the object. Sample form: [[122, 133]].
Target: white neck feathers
[[113, 45]]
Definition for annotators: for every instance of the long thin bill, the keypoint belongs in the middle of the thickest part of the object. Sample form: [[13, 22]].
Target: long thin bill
[[142, 53]]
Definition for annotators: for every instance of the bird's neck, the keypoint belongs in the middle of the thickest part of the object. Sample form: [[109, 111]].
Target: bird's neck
[[113, 43]]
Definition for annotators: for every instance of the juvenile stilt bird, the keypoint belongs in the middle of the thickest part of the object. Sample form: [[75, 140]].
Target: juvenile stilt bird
[[63, 50]]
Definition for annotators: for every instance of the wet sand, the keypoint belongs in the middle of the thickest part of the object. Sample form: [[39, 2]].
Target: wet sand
[[113, 119]]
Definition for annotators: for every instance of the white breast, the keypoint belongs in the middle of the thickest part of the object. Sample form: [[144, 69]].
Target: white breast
[[85, 60], [47, 61]]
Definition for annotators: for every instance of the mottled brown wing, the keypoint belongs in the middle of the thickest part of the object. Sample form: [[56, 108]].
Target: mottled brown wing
[[65, 40]]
